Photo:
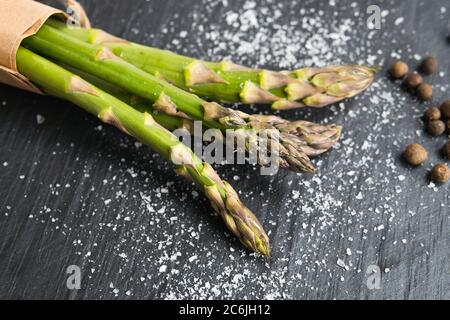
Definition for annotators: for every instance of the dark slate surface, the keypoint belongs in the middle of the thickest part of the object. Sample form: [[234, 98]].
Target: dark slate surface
[[72, 193]]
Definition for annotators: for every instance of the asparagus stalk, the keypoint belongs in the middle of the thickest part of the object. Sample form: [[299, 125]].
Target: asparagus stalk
[[101, 62], [170, 122], [316, 138], [61, 83], [228, 82]]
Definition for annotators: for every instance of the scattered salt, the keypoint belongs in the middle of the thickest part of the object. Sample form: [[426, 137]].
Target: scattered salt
[[163, 268], [40, 119], [399, 21]]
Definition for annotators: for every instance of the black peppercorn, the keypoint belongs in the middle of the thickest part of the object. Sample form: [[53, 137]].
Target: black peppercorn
[[429, 65], [399, 69], [445, 109], [446, 150], [415, 154], [432, 113], [440, 173], [425, 91], [413, 80], [436, 127]]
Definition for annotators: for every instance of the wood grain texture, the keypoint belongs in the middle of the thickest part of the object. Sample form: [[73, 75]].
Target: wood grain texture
[[74, 193]]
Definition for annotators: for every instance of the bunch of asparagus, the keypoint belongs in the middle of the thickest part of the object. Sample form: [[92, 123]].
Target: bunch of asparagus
[[146, 92], [228, 82]]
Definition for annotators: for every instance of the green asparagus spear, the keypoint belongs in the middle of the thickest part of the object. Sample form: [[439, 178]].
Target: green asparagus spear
[[101, 62], [228, 82], [61, 83], [170, 122], [316, 138]]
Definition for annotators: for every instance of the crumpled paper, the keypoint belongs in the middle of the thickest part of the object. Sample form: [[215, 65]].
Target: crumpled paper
[[20, 19]]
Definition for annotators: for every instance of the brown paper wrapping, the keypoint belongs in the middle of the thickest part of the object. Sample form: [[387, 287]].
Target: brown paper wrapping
[[20, 19], [79, 10]]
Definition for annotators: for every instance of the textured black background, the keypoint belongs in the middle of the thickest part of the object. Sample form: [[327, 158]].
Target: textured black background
[[46, 226]]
